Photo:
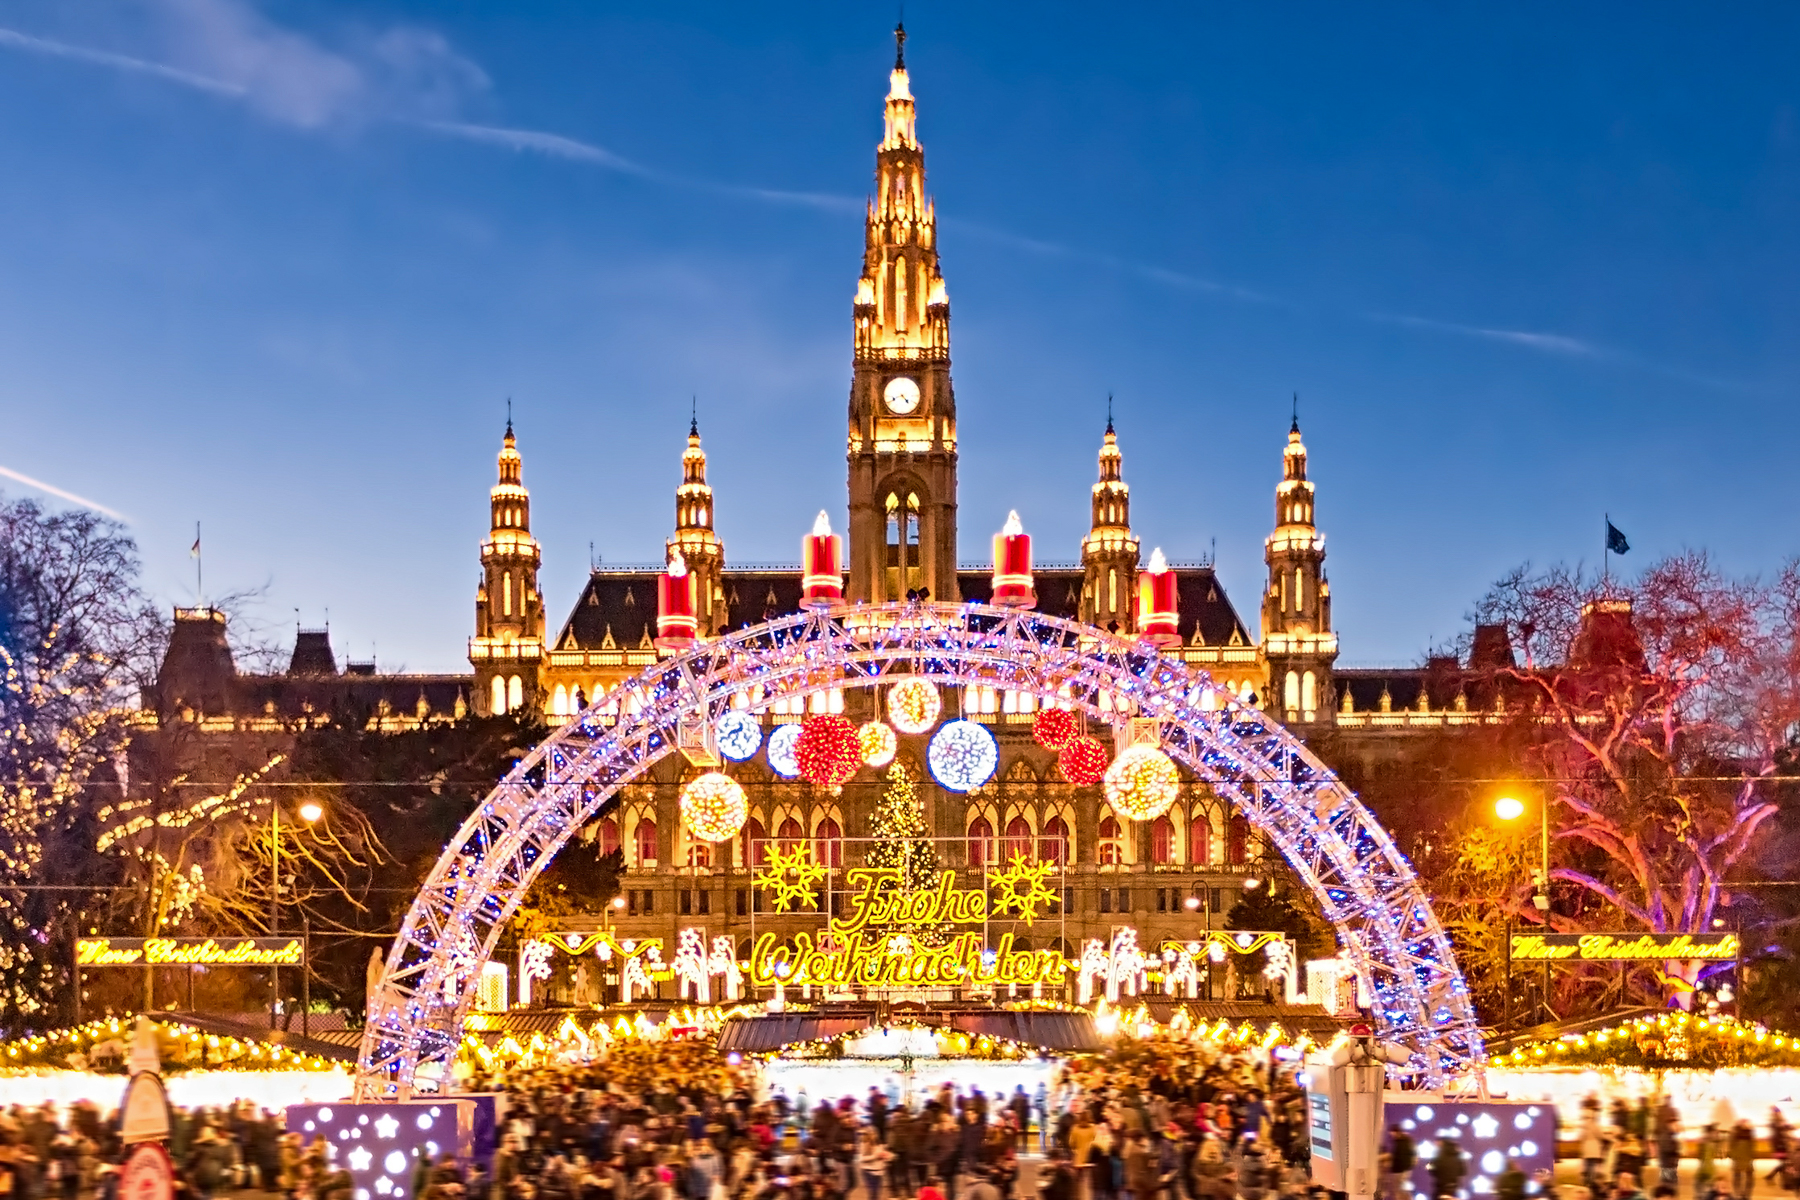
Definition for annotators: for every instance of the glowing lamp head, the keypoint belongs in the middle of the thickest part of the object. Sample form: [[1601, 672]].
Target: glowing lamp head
[[1509, 808], [311, 811], [1012, 565]]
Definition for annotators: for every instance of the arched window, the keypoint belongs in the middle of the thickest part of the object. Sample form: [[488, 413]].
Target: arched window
[[699, 853], [515, 693], [1309, 694], [1054, 841], [1237, 842], [499, 701], [559, 701], [789, 834], [506, 592], [1162, 841], [1291, 692], [981, 842], [829, 844], [608, 836], [756, 846], [646, 843], [1200, 841], [1018, 840], [1111, 852]]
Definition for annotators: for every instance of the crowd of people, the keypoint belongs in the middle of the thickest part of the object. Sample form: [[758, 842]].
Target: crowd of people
[[1150, 1120]]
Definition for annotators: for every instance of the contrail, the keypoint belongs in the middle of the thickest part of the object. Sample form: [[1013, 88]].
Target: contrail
[[71, 497], [122, 62]]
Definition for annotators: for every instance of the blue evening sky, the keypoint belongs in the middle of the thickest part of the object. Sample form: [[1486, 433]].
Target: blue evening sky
[[276, 266]]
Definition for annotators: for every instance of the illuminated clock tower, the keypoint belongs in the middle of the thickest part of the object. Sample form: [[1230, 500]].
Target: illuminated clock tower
[[902, 450]]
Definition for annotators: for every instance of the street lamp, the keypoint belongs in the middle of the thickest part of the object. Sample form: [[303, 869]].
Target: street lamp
[[1511, 808], [310, 812]]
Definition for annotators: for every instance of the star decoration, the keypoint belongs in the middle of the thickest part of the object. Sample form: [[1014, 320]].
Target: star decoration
[[791, 875], [1021, 886], [386, 1127], [360, 1159], [1485, 1127]]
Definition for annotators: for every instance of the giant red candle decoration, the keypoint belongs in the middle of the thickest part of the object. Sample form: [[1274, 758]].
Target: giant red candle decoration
[[1012, 565], [821, 565], [676, 627], [1156, 602]]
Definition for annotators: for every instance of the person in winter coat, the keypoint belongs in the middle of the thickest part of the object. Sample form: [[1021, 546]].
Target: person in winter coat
[[1593, 1142], [1447, 1168], [1402, 1157], [1742, 1151], [1142, 1179]]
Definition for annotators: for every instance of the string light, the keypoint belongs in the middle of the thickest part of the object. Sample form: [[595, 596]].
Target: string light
[[1054, 728], [914, 705], [962, 756], [714, 807], [1142, 783], [878, 742], [1083, 761], [781, 750], [828, 751], [738, 735]]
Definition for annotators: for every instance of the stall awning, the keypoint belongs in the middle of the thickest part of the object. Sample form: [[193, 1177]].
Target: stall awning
[[761, 1035], [1067, 1031]]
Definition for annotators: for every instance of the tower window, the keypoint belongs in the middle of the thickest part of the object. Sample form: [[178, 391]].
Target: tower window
[[1291, 692], [1309, 694], [498, 705], [1299, 590], [506, 593], [1112, 590], [515, 693]]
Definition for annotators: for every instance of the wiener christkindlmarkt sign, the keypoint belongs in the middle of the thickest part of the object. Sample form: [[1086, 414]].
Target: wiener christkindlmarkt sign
[[894, 938], [1624, 947], [185, 952]]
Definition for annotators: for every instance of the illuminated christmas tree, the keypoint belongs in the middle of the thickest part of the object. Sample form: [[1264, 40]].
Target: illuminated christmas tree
[[905, 845]]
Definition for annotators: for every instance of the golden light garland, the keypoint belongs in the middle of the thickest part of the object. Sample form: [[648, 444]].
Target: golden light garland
[[1142, 783], [178, 1045], [1671, 1039], [714, 807], [878, 742], [914, 705]]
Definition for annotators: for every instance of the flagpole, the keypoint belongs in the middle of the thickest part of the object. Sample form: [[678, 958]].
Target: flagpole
[[199, 590], [1606, 554]]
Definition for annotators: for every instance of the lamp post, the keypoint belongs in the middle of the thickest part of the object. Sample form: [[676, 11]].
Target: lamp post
[[310, 812], [1510, 808]]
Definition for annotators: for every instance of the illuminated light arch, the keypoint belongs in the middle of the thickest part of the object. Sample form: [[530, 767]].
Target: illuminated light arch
[[1362, 882]]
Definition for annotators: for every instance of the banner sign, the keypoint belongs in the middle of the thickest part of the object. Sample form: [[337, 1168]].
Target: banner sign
[[1624, 947], [892, 938], [183, 952]]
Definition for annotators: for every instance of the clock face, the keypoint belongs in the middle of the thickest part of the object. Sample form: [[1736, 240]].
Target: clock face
[[901, 396]]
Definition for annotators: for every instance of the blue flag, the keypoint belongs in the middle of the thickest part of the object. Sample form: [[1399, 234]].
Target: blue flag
[[1615, 541]]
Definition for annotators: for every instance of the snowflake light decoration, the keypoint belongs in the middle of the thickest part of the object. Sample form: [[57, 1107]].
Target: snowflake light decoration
[[914, 705], [962, 756], [714, 807], [1083, 761], [828, 751], [1054, 728], [1142, 783], [738, 734], [781, 750], [878, 743], [1021, 886], [791, 875]]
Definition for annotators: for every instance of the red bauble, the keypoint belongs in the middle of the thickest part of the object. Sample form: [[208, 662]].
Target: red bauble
[[1083, 761], [1054, 728], [828, 751]]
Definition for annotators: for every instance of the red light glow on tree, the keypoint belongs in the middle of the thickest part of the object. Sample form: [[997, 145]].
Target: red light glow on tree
[[1055, 728], [1083, 761], [1157, 619], [676, 627], [1012, 565], [821, 565], [828, 751]]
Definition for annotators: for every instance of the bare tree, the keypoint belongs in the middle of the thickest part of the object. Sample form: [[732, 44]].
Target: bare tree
[[1660, 714]]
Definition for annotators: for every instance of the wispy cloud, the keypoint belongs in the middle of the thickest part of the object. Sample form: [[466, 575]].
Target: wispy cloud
[[119, 62], [1549, 343], [52, 490], [1162, 275]]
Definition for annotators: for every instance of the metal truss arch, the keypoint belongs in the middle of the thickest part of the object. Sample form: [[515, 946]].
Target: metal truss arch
[[1361, 881]]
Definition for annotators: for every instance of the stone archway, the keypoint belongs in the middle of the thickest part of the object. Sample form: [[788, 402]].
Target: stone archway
[[1363, 884]]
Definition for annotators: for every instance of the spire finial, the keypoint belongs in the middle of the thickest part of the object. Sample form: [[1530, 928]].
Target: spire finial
[[694, 417], [509, 431], [900, 43], [1109, 427], [1295, 427]]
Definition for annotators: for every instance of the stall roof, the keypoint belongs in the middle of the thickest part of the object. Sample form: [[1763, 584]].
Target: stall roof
[[761, 1035], [1069, 1031], [1066, 1031]]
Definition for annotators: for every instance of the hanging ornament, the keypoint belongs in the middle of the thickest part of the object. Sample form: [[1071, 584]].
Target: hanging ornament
[[1083, 761], [914, 705], [781, 750], [713, 807], [1054, 728], [1142, 783], [827, 750], [962, 756], [738, 735], [878, 743]]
